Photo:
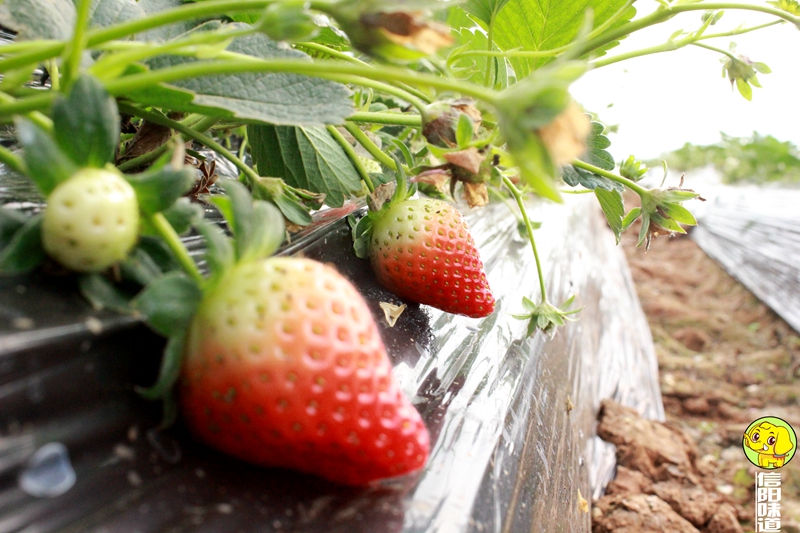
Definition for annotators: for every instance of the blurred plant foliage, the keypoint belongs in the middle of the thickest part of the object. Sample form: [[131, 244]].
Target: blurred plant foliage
[[755, 159]]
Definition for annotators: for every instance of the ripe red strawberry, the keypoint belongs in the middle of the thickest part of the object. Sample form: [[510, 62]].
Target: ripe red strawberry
[[284, 366], [422, 250]]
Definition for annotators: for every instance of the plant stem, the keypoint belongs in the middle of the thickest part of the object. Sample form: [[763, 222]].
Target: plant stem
[[235, 63], [41, 120], [490, 46], [194, 133], [12, 160], [662, 14], [641, 191], [521, 204], [173, 241], [393, 119], [345, 57], [72, 62], [55, 77], [112, 65], [13, 106], [351, 153], [715, 49], [370, 146]]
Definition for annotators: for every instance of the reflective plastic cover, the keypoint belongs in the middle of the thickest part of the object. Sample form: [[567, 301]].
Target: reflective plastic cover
[[754, 233], [512, 418]]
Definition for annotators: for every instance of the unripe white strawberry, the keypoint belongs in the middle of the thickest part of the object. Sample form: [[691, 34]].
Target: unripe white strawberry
[[91, 220]]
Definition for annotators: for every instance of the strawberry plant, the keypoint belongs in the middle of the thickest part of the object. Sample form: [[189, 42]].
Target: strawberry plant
[[316, 104]]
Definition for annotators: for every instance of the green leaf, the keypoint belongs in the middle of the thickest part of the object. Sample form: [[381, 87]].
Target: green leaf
[[644, 229], [744, 89], [632, 215], [596, 143], [10, 222], [549, 24], [103, 294], [38, 19], [306, 158], [679, 213], [464, 130], [24, 251], [86, 123], [473, 68], [169, 371], [275, 98], [611, 203], [168, 32], [257, 226], [294, 211], [47, 165], [182, 214], [158, 189], [219, 252], [362, 234], [105, 13], [148, 260], [574, 176], [485, 10], [169, 303]]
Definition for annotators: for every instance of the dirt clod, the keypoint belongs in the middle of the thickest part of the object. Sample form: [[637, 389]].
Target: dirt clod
[[725, 359]]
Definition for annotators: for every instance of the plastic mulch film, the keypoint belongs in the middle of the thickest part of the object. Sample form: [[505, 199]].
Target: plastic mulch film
[[754, 233], [512, 419]]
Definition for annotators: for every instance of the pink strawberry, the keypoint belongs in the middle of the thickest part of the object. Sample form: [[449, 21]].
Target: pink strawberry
[[422, 250], [284, 366]]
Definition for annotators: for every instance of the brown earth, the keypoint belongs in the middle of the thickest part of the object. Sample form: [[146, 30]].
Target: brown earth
[[725, 360]]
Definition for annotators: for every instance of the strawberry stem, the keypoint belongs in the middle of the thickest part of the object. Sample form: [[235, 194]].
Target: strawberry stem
[[517, 194], [194, 133], [173, 241], [353, 156], [641, 191], [12, 160], [370, 146], [74, 50]]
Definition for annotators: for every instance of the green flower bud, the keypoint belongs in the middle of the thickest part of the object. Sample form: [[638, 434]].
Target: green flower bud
[[440, 121], [395, 32], [632, 169], [288, 21]]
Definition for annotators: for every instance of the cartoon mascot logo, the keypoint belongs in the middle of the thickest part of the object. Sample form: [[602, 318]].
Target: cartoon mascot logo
[[769, 442]]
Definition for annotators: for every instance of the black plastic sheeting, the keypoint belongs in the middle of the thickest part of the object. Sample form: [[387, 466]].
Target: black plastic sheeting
[[754, 233], [508, 454]]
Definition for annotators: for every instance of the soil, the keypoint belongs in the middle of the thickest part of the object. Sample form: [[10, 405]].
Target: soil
[[725, 360]]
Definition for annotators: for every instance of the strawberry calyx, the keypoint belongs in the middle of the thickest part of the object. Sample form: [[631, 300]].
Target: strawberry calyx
[[170, 303], [379, 202]]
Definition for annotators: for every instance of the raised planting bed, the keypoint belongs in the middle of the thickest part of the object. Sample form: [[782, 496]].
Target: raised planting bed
[[512, 419]]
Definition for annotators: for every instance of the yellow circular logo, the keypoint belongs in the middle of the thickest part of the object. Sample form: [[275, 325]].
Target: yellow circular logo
[[769, 442]]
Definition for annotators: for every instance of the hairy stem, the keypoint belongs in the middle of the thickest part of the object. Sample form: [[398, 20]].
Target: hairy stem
[[392, 119], [41, 120], [345, 57], [715, 49], [351, 153], [662, 14], [72, 62], [632, 185], [370, 146], [194, 133], [12, 160], [173, 241], [517, 194], [232, 63]]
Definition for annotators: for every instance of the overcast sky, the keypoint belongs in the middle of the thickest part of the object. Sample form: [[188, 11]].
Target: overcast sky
[[662, 101]]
